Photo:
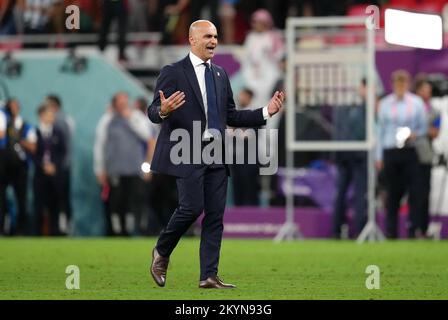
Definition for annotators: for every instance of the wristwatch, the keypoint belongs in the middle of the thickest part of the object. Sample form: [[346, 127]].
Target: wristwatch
[[162, 115]]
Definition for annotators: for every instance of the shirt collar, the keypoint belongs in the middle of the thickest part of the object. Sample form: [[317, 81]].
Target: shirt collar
[[405, 96], [46, 129], [196, 61]]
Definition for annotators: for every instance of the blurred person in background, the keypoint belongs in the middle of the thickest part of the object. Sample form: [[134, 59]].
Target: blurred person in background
[[7, 20], [138, 10], [19, 10], [20, 146], [3, 180], [227, 15], [245, 176], [58, 17], [423, 89], [104, 184], [121, 138], [175, 18], [66, 125], [144, 221], [38, 15], [141, 104], [351, 165], [263, 49], [321, 8], [114, 10], [401, 121], [270, 183], [197, 7], [161, 189], [48, 177]]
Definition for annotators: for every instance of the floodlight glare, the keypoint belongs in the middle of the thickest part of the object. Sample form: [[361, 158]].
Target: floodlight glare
[[146, 167], [418, 30]]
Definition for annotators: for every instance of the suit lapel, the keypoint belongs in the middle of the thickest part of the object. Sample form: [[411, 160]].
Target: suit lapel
[[190, 74]]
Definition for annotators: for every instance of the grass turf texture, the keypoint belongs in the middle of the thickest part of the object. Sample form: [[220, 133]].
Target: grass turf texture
[[118, 269]]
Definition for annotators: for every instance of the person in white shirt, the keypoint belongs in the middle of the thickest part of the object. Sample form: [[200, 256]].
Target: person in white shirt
[[3, 170], [401, 123], [120, 149]]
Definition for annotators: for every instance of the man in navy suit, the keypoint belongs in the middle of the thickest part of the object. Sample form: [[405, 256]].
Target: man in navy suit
[[189, 92]]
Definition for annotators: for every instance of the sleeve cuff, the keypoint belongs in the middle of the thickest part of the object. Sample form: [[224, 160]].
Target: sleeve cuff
[[162, 116], [266, 115]]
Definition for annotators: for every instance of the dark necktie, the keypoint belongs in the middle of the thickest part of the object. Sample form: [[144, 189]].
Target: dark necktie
[[212, 108]]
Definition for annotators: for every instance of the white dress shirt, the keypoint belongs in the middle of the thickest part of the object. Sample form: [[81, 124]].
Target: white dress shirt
[[199, 69], [46, 130]]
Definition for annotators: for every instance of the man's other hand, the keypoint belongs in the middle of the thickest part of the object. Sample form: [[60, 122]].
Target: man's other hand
[[276, 103]]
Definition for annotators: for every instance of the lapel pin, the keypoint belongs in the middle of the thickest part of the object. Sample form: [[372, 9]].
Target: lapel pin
[[218, 74]]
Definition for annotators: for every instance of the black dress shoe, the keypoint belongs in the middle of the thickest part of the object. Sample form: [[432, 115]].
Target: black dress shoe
[[215, 283], [158, 268]]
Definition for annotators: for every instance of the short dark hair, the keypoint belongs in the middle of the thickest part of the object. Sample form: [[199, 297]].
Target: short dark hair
[[55, 99], [420, 82], [9, 102]]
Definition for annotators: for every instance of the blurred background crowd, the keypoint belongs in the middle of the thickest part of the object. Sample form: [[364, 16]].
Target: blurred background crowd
[[171, 18], [36, 153]]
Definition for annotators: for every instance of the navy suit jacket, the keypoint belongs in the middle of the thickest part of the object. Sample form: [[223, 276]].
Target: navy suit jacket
[[180, 76], [57, 148]]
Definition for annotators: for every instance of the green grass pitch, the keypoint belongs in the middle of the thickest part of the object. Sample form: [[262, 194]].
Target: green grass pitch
[[118, 269]]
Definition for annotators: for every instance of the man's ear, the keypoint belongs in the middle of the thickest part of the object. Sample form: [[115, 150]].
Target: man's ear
[[192, 40]]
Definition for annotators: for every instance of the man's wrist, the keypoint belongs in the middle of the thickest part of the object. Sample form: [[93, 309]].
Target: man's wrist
[[266, 114], [162, 114]]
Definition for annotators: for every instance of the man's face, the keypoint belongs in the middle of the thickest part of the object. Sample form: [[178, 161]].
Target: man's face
[[425, 91], [203, 40], [400, 87], [258, 26], [14, 107], [362, 91], [121, 103], [47, 117]]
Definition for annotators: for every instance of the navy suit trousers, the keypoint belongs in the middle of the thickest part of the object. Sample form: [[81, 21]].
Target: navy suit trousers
[[203, 191]]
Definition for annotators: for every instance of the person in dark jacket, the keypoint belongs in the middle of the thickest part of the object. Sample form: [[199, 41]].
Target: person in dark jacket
[[20, 144], [48, 180]]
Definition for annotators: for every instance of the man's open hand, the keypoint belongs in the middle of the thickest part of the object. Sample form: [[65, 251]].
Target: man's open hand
[[276, 102], [176, 100]]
